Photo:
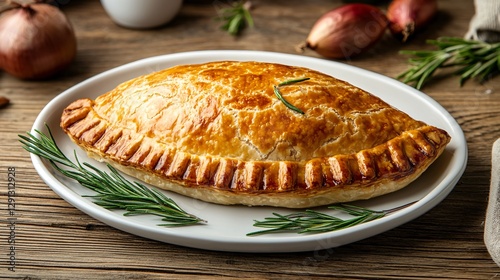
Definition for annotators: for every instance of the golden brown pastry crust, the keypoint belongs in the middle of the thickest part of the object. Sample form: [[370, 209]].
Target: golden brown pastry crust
[[217, 132]]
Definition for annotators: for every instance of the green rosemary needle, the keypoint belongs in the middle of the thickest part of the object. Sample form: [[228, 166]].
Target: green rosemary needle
[[113, 190], [236, 17], [293, 81], [310, 221], [280, 96], [473, 59]]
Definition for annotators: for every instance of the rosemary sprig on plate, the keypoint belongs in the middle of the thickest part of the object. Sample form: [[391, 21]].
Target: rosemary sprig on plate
[[236, 17], [113, 190], [280, 96], [310, 221], [474, 59]]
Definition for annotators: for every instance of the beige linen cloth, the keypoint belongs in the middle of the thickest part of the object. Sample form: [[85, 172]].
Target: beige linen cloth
[[492, 222], [485, 26]]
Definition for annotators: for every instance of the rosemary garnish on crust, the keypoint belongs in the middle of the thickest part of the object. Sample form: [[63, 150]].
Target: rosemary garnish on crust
[[280, 96], [113, 190], [310, 221]]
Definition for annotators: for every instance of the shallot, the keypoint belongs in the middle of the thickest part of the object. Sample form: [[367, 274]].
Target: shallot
[[347, 31], [408, 16], [36, 41]]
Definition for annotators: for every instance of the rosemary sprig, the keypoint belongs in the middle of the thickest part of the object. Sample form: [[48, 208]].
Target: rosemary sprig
[[236, 17], [280, 96], [310, 221], [113, 190], [474, 59]]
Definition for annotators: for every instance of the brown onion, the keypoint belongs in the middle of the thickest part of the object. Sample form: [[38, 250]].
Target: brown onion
[[408, 16], [36, 41], [347, 31], [4, 102]]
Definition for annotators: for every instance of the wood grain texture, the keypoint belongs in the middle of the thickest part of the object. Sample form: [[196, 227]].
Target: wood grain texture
[[54, 240]]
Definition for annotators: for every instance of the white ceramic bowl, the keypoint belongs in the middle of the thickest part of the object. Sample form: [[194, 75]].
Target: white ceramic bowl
[[141, 13]]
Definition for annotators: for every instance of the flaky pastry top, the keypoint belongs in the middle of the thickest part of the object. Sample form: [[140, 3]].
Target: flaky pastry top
[[218, 132], [227, 109]]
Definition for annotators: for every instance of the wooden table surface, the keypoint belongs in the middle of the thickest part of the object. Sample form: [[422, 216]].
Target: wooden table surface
[[54, 240]]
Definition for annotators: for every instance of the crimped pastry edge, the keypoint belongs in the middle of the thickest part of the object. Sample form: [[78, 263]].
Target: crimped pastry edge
[[284, 199]]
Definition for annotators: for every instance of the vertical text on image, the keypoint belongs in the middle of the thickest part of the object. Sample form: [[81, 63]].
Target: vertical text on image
[[11, 220]]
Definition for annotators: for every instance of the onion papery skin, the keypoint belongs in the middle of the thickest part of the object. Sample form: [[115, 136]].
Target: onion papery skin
[[347, 31], [36, 41], [408, 16]]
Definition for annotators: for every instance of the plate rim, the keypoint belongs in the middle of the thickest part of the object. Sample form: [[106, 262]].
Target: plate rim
[[259, 243]]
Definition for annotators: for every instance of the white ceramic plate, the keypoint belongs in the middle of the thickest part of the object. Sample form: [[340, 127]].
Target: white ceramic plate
[[228, 225]]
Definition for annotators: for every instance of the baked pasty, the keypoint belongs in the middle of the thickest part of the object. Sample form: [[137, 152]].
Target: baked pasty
[[219, 133]]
